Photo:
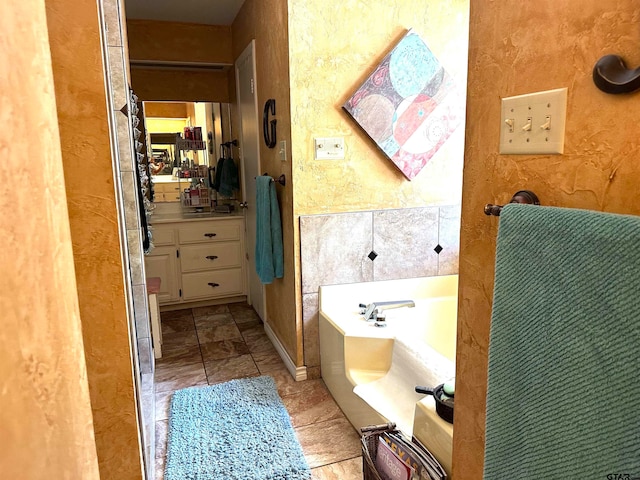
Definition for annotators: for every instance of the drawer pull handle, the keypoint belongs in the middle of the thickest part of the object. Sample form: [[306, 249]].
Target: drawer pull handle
[[210, 235], [211, 257], [211, 284]]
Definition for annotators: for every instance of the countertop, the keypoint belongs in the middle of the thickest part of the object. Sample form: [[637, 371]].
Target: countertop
[[157, 219]]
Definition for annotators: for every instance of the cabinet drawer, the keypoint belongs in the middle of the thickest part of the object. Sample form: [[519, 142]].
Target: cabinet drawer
[[219, 231], [213, 283], [170, 187], [163, 236], [195, 258]]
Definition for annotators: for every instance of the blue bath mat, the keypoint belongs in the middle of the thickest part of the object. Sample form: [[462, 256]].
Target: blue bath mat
[[234, 430]]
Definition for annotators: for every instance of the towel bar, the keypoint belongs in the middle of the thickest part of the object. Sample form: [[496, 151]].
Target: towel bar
[[521, 196], [282, 180]]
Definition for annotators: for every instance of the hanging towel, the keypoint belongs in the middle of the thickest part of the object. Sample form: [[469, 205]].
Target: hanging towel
[[563, 395], [218, 176], [228, 177], [269, 252]]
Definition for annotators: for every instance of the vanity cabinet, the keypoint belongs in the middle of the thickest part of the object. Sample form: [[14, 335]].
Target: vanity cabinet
[[198, 260], [166, 192]]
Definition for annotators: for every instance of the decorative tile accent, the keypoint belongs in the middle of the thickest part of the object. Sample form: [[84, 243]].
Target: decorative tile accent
[[438, 249], [132, 215], [125, 151], [311, 334], [141, 309], [334, 249], [404, 241], [145, 355], [111, 17], [372, 256], [119, 88], [449, 238], [136, 256]]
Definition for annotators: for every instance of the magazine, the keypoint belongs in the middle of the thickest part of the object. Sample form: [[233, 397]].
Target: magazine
[[389, 465], [426, 467]]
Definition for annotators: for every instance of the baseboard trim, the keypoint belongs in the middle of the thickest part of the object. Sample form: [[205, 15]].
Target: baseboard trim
[[298, 373]]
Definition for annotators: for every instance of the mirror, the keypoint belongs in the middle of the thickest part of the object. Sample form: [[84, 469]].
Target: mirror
[[183, 135]]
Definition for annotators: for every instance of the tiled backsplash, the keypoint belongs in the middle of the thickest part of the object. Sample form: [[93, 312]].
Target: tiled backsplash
[[372, 246]]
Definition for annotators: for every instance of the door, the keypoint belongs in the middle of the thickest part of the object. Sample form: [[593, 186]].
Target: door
[[250, 157]]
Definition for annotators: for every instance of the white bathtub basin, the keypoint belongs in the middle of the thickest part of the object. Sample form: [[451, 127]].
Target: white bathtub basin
[[371, 372]]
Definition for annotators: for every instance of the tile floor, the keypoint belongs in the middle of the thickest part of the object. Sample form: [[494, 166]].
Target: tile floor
[[209, 345]]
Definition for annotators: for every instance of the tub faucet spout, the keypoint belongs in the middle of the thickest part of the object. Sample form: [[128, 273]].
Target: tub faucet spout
[[373, 309]]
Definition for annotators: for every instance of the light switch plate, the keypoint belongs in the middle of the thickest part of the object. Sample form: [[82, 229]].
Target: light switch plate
[[329, 148], [533, 123]]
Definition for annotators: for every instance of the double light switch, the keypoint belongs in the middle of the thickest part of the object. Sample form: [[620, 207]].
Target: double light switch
[[534, 123]]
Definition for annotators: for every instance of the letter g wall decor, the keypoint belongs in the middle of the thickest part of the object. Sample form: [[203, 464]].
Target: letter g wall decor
[[269, 136]]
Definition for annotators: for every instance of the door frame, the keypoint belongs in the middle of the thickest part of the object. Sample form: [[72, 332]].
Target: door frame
[[250, 50]]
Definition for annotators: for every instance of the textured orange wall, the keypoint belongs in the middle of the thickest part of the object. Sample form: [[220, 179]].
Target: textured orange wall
[[45, 418], [180, 85], [179, 42], [266, 22], [165, 110], [86, 153], [514, 50], [333, 50]]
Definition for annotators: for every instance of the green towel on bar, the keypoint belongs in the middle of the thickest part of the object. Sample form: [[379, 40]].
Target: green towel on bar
[[269, 250], [563, 395]]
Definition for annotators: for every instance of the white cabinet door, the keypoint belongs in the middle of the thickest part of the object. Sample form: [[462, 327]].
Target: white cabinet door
[[163, 263]]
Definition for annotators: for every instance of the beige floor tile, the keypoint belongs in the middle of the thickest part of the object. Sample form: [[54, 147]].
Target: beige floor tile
[[180, 324], [345, 470], [211, 310], [286, 384], [183, 314], [229, 368], [242, 315], [223, 349], [313, 405], [213, 320], [258, 342], [220, 332], [267, 361], [170, 378], [178, 354], [329, 442], [179, 339]]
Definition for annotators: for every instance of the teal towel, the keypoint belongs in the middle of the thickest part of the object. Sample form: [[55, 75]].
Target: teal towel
[[563, 395], [269, 251]]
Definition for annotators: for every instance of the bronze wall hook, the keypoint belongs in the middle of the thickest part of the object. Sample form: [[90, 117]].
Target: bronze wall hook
[[521, 196]]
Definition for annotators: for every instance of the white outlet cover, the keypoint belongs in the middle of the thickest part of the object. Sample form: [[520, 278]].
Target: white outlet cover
[[329, 148], [541, 107]]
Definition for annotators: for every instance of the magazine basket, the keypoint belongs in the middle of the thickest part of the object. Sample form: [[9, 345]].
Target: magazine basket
[[370, 436]]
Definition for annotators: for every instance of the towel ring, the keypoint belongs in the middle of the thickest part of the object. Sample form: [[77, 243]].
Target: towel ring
[[521, 196]]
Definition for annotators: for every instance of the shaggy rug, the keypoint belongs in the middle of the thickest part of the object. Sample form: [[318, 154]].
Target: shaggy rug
[[234, 430]]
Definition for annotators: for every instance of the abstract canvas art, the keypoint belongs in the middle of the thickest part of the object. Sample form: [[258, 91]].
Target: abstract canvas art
[[409, 105]]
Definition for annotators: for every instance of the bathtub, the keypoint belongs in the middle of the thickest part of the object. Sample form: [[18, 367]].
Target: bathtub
[[371, 372]]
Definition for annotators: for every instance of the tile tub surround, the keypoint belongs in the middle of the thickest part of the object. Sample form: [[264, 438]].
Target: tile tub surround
[[335, 249], [330, 444]]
